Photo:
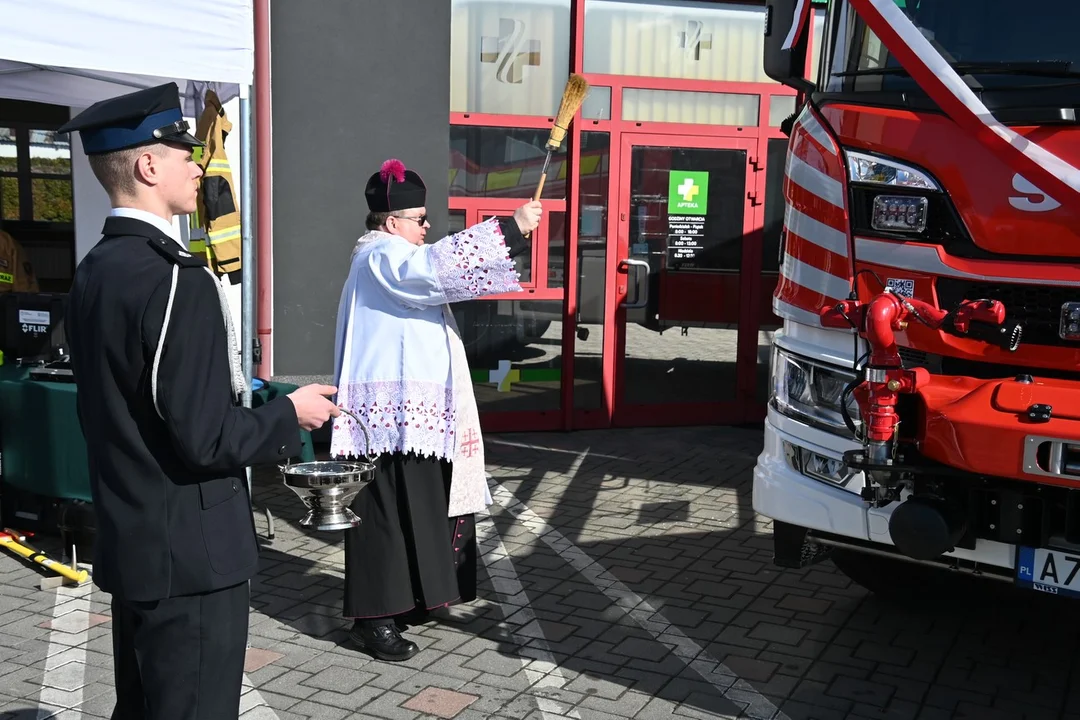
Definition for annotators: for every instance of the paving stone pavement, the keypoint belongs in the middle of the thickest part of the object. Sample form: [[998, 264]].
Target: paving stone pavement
[[625, 576]]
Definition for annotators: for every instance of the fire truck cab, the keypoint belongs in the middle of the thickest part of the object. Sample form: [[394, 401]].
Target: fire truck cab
[[901, 227]]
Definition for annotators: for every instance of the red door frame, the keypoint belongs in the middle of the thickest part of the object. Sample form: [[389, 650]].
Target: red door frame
[[624, 414]]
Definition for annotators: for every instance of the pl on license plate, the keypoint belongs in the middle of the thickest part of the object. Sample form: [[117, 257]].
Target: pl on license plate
[[1056, 572]]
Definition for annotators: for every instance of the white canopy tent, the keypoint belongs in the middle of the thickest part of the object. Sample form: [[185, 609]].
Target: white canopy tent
[[209, 40], [75, 53]]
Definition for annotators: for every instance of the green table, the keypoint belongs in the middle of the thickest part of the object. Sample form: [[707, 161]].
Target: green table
[[42, 450]]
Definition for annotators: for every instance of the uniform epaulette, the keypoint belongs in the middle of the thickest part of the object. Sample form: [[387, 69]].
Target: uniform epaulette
[[174, 253]]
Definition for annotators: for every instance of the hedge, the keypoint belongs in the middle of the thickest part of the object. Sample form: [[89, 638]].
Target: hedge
[[52, 198]]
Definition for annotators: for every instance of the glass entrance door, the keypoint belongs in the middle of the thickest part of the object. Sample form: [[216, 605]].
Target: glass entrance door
[[685, 347]]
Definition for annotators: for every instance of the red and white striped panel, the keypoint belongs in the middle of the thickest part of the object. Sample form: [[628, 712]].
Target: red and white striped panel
[[816, 269]]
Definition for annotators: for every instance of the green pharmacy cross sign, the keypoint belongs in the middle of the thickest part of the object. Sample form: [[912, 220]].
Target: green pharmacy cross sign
[[688, 192]]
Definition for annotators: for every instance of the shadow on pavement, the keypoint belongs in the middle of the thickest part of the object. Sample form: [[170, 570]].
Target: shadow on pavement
[[809, 640], [668, 514]]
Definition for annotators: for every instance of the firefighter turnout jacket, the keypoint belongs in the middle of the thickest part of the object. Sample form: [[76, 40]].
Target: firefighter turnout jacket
[[16, 272], [218, 212]]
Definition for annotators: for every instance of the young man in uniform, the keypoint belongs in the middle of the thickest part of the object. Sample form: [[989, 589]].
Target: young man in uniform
[[156, 363], [401, 367]]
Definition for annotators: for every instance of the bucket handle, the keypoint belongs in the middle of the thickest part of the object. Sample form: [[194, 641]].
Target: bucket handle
[[367, 438], [367, 442]]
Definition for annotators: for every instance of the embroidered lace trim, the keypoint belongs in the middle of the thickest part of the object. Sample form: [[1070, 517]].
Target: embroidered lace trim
[[399, 415], [474, 262]]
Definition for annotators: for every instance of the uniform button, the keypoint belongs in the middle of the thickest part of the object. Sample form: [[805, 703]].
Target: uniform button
[[234, 488], [281, 450]]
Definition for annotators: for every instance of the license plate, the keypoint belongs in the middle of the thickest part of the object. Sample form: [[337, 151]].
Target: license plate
[[1056, 572]]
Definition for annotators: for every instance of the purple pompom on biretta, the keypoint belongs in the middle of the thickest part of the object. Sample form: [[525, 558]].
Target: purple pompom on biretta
[[395, 188], [393, 167]]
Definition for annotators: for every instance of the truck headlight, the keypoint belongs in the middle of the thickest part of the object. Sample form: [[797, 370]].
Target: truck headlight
[[811, 392], [891, 199], [877, 170], [816, 466]]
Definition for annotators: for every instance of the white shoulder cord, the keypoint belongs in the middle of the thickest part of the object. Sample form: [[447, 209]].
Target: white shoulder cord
[[235, 369], [161, 339]]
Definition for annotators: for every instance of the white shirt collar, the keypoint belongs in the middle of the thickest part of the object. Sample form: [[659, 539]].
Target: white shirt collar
[[157, 221]]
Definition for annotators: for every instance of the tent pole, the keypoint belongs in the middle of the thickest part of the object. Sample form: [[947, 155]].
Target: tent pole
[[247, 249], [247, 241]]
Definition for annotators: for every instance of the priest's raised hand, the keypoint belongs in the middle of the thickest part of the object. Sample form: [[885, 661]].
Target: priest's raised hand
[[528, 215]]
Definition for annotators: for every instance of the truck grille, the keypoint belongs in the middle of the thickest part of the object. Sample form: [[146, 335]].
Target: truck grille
[[1037, 308]]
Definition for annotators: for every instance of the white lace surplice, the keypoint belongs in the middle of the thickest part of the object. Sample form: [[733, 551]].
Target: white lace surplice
[[400, 364]]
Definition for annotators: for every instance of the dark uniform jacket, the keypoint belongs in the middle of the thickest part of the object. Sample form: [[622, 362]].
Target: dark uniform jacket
[[173, 512]]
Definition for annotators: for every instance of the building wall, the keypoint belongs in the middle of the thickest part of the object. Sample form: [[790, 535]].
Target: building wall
[[347, 93]]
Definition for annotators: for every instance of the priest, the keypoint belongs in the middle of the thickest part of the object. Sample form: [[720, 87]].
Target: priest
[[400, 367]]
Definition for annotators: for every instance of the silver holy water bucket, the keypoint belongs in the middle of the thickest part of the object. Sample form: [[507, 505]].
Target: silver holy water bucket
[[328, 487]]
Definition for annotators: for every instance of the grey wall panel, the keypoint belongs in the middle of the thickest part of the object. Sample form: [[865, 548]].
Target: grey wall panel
[[353, 82]]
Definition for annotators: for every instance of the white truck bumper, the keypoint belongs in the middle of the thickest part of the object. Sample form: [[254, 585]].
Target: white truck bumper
[[783, 493]]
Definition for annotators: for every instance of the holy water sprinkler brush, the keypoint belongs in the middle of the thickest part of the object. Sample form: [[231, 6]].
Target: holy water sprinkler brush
[[573, 95]]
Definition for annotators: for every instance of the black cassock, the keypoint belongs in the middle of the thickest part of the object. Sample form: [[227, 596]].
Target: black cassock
[[407, 555], [176, 541]]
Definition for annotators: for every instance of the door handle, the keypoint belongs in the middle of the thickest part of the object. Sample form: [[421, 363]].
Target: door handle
[[643, 300]]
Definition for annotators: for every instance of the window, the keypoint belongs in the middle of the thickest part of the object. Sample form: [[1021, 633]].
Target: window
[[36, 201], [503, 162], [35, 175], [50, 177], [971, 32], [592, 270], [774, 204], [691, 40], [514, 349], [455, 223], [9, 175], [780, 108], [818, 40], [709, 236], [707, 108], [597, 104], [509, 57]]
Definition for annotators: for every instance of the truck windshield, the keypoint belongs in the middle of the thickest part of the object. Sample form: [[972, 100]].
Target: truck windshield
[[993, 44]]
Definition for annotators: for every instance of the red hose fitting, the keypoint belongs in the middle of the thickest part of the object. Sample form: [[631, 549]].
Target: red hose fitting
[[877, 400], [883, 313], [886, 378]]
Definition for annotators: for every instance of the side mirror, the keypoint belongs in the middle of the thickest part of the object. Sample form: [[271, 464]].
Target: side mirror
[[787, 125], [786, 66]]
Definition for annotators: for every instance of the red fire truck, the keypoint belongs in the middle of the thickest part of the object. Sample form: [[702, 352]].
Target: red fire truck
[[925, 410]]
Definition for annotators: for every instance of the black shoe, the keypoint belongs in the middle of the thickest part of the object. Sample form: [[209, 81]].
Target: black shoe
[[384, 642]]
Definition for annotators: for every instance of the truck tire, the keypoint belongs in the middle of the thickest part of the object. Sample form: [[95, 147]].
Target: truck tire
[[900, 581]]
